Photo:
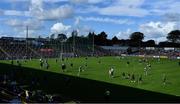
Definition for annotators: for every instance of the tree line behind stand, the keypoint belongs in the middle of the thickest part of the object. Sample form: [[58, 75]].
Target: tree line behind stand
[[135, 39]]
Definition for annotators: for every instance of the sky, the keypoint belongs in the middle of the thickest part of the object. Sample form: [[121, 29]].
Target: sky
[[154, 18]]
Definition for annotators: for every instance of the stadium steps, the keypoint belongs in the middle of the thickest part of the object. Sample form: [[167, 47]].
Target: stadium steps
[[12, 97], [34, 51], [5, 52]]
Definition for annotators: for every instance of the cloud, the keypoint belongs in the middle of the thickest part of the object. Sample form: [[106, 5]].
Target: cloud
[[14, 22], [87, 10], [129, 3], [95, 1], [106, 20], [171, 17], [33, 24], [123, 11], [31, 33], [77, 21], [15, 13], [19, 26], [59, 28], [1, 12], [78, 1], [117, 8], [135, 8], [83, 30], [55, 1], [62, 12], [124, 34], [48, 1], [13, 1], [152, 30], [102, 11], [36, 10], [161, 7], [86, 1], [157, 30]]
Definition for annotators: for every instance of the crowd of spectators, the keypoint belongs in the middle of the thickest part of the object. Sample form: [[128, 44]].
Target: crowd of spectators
[[14, 88], [161, 52], [15, 49], [10, 49]]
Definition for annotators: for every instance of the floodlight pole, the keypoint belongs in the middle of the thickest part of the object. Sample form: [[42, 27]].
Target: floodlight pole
[[26, 39], [61, 49], [74, 42], [139, 48], [26, 32], [93, 43]]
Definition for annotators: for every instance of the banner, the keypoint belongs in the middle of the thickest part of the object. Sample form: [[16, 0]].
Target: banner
[[47, 50], [163, 57]]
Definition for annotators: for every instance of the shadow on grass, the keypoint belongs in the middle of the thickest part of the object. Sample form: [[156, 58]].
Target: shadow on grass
[[83, 90]]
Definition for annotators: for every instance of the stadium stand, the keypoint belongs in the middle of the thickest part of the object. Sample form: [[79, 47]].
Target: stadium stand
[[20, 49]]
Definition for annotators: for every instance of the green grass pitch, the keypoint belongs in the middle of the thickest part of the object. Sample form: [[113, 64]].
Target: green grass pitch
[[99, 71]]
